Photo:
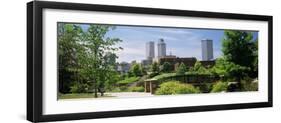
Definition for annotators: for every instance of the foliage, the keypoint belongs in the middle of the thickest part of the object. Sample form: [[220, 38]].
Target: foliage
[[164, 75], [136, 70], [240, 49], [152, 75], [219, 87], [128, 80], [199, 68], [249, 84], [206, 87], [175, 87], [136, 89], [155, 67], [77, 87], [144, 69], [112, 80], [89, 55], [181, 69], [68, 43], [98, 50], [255, 64], [229, 70], [166, 67]]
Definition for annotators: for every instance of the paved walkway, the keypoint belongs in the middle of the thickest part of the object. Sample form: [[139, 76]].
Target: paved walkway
[[129, 94]]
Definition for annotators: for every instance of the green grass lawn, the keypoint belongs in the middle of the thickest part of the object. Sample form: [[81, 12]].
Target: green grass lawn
[[81, 95], [164, 75], [129, 80]]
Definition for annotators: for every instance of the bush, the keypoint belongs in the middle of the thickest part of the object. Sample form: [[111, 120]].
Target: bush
[[181, 69], [175, 87], [205, 87], [249, 84], [219, 87], [136, 89], [77, 87]]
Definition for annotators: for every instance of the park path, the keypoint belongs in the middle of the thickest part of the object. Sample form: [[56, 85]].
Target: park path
[[129, 94]]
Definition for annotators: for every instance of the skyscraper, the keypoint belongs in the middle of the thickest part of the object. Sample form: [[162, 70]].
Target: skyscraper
[[161, 48], [207, 49], [150, 54]]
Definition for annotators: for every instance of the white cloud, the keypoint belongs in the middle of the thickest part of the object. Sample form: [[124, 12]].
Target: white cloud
[[131, 51]]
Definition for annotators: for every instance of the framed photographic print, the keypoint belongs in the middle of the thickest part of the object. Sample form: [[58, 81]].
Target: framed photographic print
[[89, 61]]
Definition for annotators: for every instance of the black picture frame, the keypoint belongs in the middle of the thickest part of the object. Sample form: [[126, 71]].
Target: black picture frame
[[34, 60]]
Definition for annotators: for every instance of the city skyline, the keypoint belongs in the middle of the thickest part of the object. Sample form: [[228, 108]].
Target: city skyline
[[207, 49], [182, 42]]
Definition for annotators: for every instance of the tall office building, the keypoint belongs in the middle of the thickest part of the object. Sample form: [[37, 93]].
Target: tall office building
[[150, 54], [161, 48], [207, 49]]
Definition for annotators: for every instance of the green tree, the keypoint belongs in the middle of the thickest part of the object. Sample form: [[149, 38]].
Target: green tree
[[155, 67], [107, 73], [136, 70], [240, 48], [255, 64], [94, 54], [229, 70], [144, 69], [68, 44], [166, 67], [181, 69], [199, 68]]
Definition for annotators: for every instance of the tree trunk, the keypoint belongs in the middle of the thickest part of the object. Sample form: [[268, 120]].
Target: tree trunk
[[96, 89]]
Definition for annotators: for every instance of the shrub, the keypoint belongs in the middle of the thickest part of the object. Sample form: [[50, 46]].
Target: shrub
[[175, 87], [219, 87], [181, 69], [249, 84], [77, 87], [205, 87], [136, 89], [166, 67]]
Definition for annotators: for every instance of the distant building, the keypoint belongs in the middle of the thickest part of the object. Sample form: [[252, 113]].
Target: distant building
[[164, 57], [133, 62], [150, 51], [146, 62], [207, 49], [123, 67], [161, 48]]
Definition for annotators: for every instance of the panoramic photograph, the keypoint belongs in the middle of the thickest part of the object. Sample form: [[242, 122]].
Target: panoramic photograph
[[100, 61]]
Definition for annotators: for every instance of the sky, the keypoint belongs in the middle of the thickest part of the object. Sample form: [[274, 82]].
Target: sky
[[182, 42]]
